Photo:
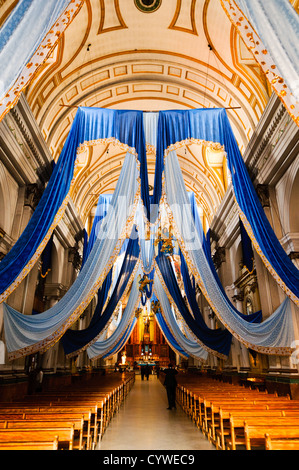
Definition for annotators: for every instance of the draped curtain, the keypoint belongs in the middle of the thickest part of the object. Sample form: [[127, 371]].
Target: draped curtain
[[277, 24], [255, 317], [91, 125], [27, 38], [189, 344], [103, 346], [217, 341], [101, 212], [75, 341], [23, 334], [208, 126], [131, 130], [269, 29], [274, 335], [169, 336]]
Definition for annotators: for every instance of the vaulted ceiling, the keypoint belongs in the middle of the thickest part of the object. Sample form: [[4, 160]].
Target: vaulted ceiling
[[149, 55]]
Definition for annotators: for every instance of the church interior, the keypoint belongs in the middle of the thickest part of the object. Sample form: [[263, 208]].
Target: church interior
[[143, 117]]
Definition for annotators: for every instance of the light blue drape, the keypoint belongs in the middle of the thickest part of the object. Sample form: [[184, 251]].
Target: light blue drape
[[26, 334], [212, 125], [102, 346], [90, 124], [22, 33], [218, 341], [75, 341], [188, 343], [254, 317], [169, 336], [122, 342], [275, 335], [277, 24]]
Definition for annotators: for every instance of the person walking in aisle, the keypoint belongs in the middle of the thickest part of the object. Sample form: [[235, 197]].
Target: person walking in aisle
[[170, 383]]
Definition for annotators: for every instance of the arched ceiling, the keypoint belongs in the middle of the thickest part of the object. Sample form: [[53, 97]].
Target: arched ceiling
[[185, 54]]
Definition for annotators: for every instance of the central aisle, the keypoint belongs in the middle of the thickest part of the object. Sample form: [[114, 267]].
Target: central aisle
[[144, 423]]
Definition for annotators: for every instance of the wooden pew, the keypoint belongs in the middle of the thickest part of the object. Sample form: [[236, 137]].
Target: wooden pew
[[86, 406], [258, 432], [222, 427], [99, 399], [96, 410], [32, 445], [255, 400], [279, 443], [64, 436], [89, 409], [196, 399], [247, 432], [106, 397], [81, 420], [43, 423], [219, 426]]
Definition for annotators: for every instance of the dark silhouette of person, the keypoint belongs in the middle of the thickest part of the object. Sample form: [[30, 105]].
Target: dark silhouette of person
[[170, 383], [147, 371], [142, 372]]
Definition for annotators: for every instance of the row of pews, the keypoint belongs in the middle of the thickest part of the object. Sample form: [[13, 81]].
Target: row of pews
[[72, 418], [234, 417]]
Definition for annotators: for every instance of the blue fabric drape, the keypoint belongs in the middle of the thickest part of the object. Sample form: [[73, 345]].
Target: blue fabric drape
[[122, 341], [255, 220], [186, 339], [169, 336], [167, 333], [217, 340], [25, 334], [172, 127], [255, 317], [108, 342], [34, 235], [275, 334], [212, 125], [90, 124], [75, 341]]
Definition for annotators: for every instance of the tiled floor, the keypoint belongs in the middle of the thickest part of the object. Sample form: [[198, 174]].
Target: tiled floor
[[144, 423]]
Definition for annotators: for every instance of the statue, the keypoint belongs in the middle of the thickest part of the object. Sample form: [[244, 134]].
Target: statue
[[155, 306], [123, 358], [143, 283], [167, 241]]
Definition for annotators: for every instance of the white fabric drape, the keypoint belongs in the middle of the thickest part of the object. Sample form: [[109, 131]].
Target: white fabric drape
[[187, 343], [26, 334], [147, 247], [277, 24], [26, 38], [103, 345], [275, 335]]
